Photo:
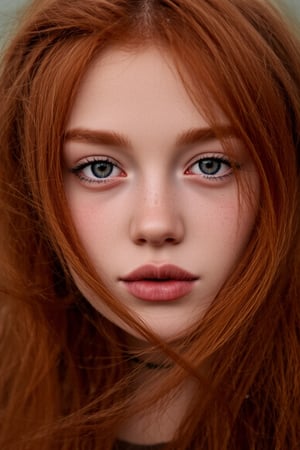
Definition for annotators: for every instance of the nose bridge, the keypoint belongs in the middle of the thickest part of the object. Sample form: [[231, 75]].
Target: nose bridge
[[157, 193], [156, 218]]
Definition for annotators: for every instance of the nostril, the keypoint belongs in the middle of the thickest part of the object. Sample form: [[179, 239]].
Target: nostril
[[141, 241], [156, 241], [170, 239]]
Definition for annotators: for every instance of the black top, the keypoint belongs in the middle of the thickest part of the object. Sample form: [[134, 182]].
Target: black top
[[122, 445]]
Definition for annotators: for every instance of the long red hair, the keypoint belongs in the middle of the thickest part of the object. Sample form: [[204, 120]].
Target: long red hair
[[63, 375]]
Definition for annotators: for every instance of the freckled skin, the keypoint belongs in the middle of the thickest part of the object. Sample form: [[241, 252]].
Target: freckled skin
[[157, 206]]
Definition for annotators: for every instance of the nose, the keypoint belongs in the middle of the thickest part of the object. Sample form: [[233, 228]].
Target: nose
[[156, 220]]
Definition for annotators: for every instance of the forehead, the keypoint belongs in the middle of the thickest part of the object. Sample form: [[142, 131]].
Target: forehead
[[137, 84]]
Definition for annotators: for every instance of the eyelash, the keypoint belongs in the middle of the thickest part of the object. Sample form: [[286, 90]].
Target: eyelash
[[213, 159], [112, 166], [78, 170]]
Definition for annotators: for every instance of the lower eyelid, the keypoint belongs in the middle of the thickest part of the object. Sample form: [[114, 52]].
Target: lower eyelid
[[99, 183]]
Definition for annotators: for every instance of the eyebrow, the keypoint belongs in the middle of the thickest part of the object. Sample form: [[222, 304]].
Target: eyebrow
[[114, 139], [205, 134], [97, 137]]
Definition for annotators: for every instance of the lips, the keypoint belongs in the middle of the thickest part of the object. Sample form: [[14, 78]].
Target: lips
[[159, 283]]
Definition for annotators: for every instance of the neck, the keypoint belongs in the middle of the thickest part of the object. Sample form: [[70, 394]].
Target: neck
[[160, 422]]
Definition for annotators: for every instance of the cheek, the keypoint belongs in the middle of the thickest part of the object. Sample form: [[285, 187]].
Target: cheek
[[223, 232], [96, 221], [97, 235], [102, 230], [237, 228]]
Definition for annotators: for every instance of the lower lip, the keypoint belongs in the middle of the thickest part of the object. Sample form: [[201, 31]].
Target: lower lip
[[155, 291]]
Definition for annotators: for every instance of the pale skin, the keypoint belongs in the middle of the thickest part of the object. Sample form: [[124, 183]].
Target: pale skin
[[165, 194]]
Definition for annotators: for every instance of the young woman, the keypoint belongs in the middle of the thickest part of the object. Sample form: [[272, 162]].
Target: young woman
[[149, 189]]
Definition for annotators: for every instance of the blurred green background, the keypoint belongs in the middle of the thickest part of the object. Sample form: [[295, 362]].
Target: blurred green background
[[9, 11]]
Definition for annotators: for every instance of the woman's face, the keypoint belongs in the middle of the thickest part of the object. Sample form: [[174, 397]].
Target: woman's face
[[151, 192]]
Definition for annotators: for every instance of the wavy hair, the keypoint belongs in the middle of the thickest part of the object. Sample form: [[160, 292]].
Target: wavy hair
[[64, 377]]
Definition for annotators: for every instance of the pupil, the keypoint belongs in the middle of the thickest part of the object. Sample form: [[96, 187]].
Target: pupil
[[210, 166], [102, 169]]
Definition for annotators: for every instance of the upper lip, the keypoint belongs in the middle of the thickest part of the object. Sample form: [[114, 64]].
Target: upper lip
[[164, 272]]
